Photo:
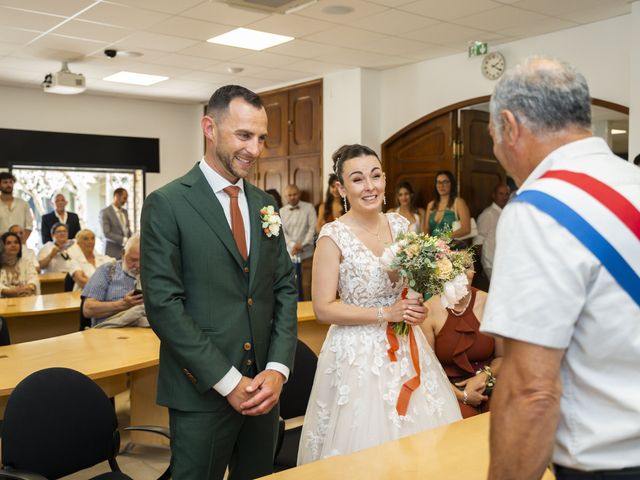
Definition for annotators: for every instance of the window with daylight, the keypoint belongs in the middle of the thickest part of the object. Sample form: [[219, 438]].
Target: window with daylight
[[87, 191]]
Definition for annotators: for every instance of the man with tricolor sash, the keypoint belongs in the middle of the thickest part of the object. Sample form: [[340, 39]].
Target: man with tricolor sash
[[565, 290]]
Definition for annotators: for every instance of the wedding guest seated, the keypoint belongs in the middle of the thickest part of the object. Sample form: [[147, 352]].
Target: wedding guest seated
[[333, 206], [53, 256], [406, 206], [18, 276], [470, 359], [113, 297], [83, 253], [28, 253]]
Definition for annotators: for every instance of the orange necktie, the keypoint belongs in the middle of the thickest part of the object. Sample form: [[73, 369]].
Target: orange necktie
[[237, 224]]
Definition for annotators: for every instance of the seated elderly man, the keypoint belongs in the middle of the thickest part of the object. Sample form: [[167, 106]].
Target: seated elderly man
[[112, 295]]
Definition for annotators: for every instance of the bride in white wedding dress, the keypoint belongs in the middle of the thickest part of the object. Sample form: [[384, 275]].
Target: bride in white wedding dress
[[358, 399]]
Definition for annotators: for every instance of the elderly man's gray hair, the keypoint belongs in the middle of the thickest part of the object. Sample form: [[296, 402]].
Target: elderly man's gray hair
[[133, 240], [545, 95]]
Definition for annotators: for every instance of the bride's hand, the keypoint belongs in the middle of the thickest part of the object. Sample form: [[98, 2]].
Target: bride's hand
[[410, 311]]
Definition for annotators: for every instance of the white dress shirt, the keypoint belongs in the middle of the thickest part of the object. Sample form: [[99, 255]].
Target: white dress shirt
[[487, 225], [548, 289], [218, 183], [299, 226]]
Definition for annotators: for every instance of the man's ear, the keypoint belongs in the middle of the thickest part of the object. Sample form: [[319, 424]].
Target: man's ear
[[209, 128], [510, 127]]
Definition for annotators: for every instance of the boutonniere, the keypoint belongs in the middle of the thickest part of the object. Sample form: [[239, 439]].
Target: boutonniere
[[271, 221]]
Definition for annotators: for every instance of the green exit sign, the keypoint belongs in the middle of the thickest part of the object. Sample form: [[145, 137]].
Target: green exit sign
[[478, 48]]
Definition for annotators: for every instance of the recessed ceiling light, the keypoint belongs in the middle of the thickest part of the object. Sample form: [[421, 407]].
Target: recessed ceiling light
[[235, 69], [250, 39], [337, 10], [135, 78], [615, 131]]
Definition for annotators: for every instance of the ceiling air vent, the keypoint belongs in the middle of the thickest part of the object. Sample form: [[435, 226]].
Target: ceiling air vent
[[271, 6]]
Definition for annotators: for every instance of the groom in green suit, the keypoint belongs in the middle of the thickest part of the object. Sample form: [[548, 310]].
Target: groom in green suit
[[220, 295]]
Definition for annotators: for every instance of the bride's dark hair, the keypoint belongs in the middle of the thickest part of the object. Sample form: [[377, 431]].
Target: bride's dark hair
[[347, 152]]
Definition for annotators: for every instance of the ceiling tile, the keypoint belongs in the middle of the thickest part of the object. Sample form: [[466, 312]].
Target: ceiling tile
[[152, 69], [189, 28], [11, 17], [92, 31], [446, 34], [433, 51], [123, 16], [595, 14], [292, 25], [391, 3], [71, 46], [393, 22], [210, 77], [345, 37], [316, 67], [157, 41], [397, 46], [29, 64], [148, 56], [501, 18], [166, 6], [554, 7], [17, 35], [538, 28], [302, 48], [184, 61], [266, 59], [7, 48], [359, 58], [449, 10], [65, 8], [217, 52], [361, 9], [222, 13], [280, 75], [222, 68]]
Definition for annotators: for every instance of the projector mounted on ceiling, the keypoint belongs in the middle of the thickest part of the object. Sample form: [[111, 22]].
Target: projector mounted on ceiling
[[271, 6], [64, 82]]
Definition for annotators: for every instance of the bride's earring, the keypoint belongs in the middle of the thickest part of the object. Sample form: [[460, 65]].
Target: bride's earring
[[384, 199], [344, 200]]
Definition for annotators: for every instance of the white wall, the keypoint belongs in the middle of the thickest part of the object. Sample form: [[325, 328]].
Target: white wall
[[176, 125], [601, 51], [634, 83]]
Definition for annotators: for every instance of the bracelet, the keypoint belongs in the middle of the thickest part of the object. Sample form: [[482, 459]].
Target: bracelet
[[380, 316], [465, 397]]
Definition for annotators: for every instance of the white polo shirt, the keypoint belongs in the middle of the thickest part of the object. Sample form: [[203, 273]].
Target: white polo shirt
[[548, 289]]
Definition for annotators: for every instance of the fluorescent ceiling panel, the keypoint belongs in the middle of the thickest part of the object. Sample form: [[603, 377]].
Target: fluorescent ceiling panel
[[135, 78], [250, 39]]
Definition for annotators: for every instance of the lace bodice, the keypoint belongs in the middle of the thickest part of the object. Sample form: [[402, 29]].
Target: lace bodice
[[363, 280]]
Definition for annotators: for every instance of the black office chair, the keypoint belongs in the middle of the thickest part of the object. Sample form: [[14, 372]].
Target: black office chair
[[57, 422], [4, 332], [293, 403], [69, 282]]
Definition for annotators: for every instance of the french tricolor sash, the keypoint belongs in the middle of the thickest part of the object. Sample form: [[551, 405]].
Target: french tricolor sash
[[604, 221]]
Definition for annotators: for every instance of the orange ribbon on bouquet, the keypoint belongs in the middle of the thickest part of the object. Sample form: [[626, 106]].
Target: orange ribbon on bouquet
[[410, 385]]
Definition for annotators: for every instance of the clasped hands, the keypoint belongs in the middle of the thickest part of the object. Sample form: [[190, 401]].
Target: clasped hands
[[411, 311], [475, 387], [257, 396]]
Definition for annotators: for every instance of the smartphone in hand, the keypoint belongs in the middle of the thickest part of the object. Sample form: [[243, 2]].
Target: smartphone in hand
[[137, 291]]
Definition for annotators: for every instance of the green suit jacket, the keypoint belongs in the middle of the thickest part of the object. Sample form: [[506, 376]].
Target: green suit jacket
[[210, 308]]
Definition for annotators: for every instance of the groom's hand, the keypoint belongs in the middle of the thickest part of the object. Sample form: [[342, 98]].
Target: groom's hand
[[265, 390], [239, 395]]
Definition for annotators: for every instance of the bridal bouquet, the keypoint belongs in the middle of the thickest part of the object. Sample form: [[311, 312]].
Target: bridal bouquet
[[428, 265]]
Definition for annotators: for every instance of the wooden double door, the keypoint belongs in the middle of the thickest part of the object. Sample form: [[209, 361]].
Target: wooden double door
[[293, 151], [452, 139]]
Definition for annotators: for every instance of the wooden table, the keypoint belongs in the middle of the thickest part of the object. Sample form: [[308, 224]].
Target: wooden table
[[41, 316], [116, 359], [453, 452], [51, 282]]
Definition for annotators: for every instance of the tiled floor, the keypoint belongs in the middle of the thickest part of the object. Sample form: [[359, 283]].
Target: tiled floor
[[139, 462]]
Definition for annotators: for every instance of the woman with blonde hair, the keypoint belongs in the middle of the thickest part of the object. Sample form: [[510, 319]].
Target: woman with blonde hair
[[85, 256]]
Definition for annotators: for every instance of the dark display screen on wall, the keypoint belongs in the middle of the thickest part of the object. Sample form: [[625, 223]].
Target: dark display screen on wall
[[29, 147]]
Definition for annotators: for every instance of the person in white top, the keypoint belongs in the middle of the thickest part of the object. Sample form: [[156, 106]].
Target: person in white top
[[13, 209], [53, 256], [570, 322], [18, 276], [487, 225], [83, 253], [27, 252]]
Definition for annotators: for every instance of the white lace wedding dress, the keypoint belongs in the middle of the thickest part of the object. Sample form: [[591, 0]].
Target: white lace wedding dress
[[356, 387]]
